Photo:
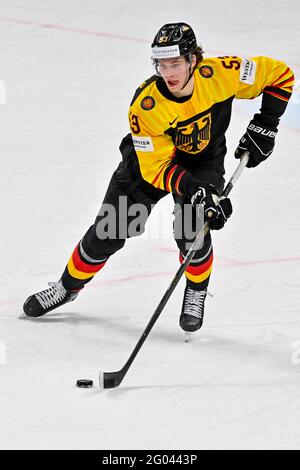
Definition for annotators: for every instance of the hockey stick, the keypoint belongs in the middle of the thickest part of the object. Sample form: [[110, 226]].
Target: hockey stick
[[113, 379]]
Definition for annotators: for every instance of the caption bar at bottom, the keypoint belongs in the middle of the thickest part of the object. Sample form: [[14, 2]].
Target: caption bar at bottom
[[136, 458]]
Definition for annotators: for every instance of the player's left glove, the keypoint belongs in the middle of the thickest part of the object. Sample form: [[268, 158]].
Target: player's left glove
[[259, 140], [216, 211]]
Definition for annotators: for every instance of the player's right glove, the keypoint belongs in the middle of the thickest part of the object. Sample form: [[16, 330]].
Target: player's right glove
[[216, 211]]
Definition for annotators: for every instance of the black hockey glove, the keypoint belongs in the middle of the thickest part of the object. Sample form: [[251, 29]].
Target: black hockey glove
[[259, 140], [216, 211]]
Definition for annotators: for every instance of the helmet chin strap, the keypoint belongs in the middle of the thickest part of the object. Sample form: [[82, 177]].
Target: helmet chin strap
[[190, 75]]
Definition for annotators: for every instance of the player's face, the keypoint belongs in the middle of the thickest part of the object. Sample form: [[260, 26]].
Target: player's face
[[174, 72]]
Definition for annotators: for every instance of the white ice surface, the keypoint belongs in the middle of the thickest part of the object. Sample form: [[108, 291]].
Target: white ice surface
[[70, 70]]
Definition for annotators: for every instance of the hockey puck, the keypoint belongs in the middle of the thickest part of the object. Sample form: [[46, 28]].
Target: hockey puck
[[84, 383]]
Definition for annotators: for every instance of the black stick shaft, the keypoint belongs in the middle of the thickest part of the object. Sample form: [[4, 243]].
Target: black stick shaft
[[178, 274]]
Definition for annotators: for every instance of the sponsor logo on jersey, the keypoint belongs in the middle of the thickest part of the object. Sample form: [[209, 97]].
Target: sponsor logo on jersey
[[172, 122], [206, 71], [192, 136], [148, 103], [142, 144], [247, 71]]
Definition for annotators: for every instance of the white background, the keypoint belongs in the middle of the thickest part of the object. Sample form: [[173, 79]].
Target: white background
[[70, 70]]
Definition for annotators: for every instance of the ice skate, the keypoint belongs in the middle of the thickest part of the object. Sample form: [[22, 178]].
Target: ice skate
[[43, 302], [192, 312]]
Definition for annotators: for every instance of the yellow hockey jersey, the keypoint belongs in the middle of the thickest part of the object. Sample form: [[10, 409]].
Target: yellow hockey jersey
[[164, 127]]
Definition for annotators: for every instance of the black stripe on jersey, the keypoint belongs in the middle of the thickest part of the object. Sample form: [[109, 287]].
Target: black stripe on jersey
[[278, 91], [142, 87]]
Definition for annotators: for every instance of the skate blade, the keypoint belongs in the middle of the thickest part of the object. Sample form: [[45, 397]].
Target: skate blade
[[23, 316], [187, 336]]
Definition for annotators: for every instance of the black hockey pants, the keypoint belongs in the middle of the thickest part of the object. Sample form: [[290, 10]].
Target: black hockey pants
[[117, 220]]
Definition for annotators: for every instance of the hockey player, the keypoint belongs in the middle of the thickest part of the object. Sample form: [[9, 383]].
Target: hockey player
[[178, 119]]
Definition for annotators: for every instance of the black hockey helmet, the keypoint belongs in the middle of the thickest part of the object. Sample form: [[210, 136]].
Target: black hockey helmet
[[173, 40]]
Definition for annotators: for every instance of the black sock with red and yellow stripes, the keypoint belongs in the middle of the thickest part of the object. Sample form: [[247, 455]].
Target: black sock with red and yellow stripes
[[199, 270], [80, 269]]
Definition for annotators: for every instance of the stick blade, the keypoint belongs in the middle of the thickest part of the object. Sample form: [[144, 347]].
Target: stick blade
[[110, 379]]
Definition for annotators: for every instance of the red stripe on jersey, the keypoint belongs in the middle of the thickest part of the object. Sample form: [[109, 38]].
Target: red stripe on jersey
[[178, 181], [276, 95], [164, 167], [281, 76], [157, 176], [285, 81], [168, 187]]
